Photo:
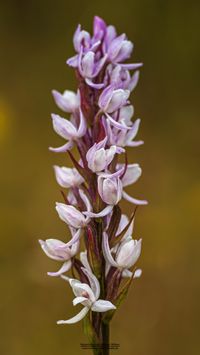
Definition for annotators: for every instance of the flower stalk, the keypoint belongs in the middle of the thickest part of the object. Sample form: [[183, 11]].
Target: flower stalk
[[99, 127]]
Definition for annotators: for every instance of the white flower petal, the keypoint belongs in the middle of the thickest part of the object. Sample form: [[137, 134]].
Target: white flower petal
[[82, 126], [133, 200], [75, 239], [94, 283], [132, 174], [117, 124], [64, 148], [65, 267], [107, 252], [103, 213], [102, 306], [78, 300], [85, 200], [76, 318], [82, 289], [84, 260]]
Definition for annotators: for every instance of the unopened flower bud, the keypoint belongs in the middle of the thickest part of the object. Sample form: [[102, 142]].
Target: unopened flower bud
[[111, 100], [99, 158], [128, 252], [120, 49], [69, 101], [70, 215], [110, 189], [68, 177], [81, 38]]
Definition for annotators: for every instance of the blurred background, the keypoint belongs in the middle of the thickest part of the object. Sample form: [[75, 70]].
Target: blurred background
[[161, 313]]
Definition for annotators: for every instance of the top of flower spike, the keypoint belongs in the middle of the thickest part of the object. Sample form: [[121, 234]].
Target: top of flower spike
[[104, 47]]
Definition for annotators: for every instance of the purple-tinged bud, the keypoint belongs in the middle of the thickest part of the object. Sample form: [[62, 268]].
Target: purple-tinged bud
[[70, 215], [110, 189], [69, 101], [120, 77], [109, 37], [81, 38], [125, 51], [128, 252], [89, 66], [111, 100], [68, 177], [120, 49], [99, 28], [99, 158]]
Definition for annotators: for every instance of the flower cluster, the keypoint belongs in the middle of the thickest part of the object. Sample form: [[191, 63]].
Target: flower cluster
[[100, 127]]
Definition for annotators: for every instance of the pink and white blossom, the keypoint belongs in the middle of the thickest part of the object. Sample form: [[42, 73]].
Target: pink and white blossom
[[58, 250], [112, 99], [68, 130], [99, 158], [88, 296]]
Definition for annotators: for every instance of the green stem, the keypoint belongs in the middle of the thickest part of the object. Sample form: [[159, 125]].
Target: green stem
[[105, 338]]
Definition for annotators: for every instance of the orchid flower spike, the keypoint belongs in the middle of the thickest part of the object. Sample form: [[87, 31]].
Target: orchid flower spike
[[100, 128], [88, 296]]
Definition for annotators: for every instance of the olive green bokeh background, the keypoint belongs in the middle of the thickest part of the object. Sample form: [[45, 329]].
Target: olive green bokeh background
[[161, 313]]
